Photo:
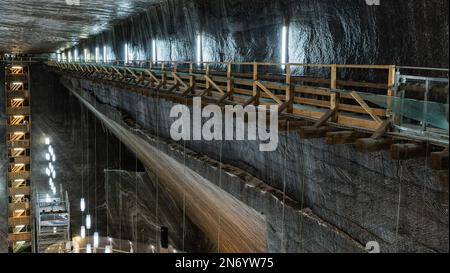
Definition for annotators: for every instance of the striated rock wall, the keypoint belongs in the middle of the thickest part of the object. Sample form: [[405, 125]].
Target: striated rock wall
[[400, 32], [137, 206], [400, 204], [3, 169]]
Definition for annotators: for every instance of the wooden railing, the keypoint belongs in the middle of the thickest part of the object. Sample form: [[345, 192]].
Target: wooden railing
[[309, 90]]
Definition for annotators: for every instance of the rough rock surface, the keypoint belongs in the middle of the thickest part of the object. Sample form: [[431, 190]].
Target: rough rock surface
[[400, 204], [138, 206], [400, 32]]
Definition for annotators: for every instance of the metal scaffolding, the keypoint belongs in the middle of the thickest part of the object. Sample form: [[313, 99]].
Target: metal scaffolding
[[53, 222]]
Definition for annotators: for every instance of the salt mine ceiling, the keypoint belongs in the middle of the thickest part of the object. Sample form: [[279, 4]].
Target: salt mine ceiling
[[38, 26]]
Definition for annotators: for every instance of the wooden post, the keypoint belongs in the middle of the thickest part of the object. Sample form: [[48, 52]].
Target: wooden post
[[390, 91], [191, 78], [230, 82], [334, 97], [290, 90], [333, 83], [208, 85], [255, 87], [163, 75]]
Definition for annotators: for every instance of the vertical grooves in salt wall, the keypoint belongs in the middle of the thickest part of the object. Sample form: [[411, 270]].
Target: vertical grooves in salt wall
[[401, 32]]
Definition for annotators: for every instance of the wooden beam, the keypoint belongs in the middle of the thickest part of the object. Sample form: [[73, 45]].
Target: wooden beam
[[390, 91], [226, 96], [366, 107], [333, 83], [283, 106], [267, 91], [334, 105], [152, 76], [208, 79], [383, 129], [250, 101], [405, 151], [325, 118], [343, 137], [131, 72], [310, 132], [439, 160], [366, 145], [206, 91], [291, 125]]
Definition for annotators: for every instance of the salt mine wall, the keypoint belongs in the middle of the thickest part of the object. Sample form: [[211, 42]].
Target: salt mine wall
[[400, 32], [85, 152], [366, 197], [137, 205], [306, 196], [3, 170]]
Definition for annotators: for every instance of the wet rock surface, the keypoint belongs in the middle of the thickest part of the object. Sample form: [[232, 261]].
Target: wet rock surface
[[47, 25], [370, 197], [137, 206], [320, 31]]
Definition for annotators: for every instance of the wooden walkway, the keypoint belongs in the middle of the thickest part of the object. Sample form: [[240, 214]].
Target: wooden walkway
[[318, 100]]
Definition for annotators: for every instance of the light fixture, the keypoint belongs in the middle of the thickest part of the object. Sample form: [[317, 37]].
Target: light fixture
[[53, 158], [283, 46], [88, 248], [54, 190], [47, 156], [105, 57], [96, 239], [126, 53], [154, 57], [54, 229], [85, 54], [82, 205], [88, 221], [83, 232], [50, 149], [47, 171], [47, 141], [97, 54], [107, 249], [199, 48], [54, 175]]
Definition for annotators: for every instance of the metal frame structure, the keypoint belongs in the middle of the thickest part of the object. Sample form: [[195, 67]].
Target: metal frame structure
[[18, 144], [53, 222]]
